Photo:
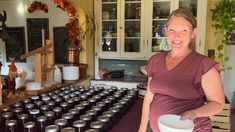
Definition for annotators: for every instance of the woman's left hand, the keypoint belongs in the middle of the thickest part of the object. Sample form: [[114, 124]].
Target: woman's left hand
[[191, 115]]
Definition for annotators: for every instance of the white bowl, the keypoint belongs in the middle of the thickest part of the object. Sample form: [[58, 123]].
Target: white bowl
[[70, 72], [173, 123]]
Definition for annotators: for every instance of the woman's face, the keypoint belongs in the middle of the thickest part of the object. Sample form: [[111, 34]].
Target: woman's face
[[179, 33]]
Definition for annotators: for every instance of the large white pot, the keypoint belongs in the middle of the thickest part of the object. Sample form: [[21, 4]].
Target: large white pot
[[70, 73]]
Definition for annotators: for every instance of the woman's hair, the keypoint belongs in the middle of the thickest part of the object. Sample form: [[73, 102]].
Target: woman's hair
[[188, 16]]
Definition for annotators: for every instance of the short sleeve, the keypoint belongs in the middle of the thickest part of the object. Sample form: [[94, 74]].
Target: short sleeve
[[150, 64], [204, 67]]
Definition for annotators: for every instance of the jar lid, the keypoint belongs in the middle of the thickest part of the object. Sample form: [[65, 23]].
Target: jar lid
[[29, 124], [41, 118], [67, 116], [77, 99], [57, 109], [97, 97], [79, 107], [73, 111], [46, 98], [108, 113], [85, 103], [101, 104], [103, 118], [6, 109], [79, 123], [83, 96], [64, 104], [23, 116], [96, 124], [7, 114], [52, 128], [68, 129], [61, 122], [34, 97], [58, 100], [27, 101], [51, 103], [91, 112], [29, 105], [38, 103], [92, 100], [34, 111], [70, 101], [85, 117], [10, 122], [49, 114], [17, 104], [114, 109], [17, 110], [44, 107], [96, 108]]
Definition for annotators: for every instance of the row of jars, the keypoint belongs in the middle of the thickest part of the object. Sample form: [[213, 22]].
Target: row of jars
[[74, 108]]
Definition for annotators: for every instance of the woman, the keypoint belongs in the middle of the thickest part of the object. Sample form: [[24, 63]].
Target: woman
[[182, 80]]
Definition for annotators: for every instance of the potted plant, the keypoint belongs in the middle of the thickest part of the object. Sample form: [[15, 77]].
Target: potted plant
[[222, 21]]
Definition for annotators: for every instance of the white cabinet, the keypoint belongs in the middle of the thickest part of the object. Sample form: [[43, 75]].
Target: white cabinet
[[120, 33]]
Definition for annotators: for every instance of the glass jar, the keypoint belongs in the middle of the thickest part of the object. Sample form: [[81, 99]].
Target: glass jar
[[75, 113], [29, 107], [110, 114], [68, 129], [41, 123], [34, 113], [81, 109], [105, 120], [87, 118], [45, 99], [29, 127], [61, 123], [69, 118], [17, 111], [26, 101], [86, 105], [51, 104], [93, 114], [44, 108], [64, 106], [6, 116], [22, 119], [91, 130], [58, 112], [50, 117], [52, 128], [98, 109], [11, 126], [38, 104], [35, 98], [79, 125], [17, 104]]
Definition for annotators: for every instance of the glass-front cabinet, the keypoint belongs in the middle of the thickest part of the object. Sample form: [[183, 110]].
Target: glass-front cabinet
[[120, 29], [134, 29]]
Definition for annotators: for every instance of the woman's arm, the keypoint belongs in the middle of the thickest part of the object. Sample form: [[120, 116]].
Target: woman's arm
[[212, 86], [145, 109]]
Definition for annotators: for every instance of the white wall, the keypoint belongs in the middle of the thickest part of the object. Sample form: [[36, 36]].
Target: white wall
[[17, 14], [229, 76]]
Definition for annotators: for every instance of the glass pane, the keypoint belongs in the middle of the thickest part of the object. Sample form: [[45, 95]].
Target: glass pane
[[132, 10], [189, 4], [161, 9], [132, 45], [109, 25], [109, 0]]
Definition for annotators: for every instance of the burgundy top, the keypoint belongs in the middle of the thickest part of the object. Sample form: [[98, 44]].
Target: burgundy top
[[179, 89]]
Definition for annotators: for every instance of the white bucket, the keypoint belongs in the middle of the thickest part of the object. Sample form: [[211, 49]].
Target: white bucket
[[173, 123], [70, 73]]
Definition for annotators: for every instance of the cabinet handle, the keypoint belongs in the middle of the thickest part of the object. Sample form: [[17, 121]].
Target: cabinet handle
[[120, 27]]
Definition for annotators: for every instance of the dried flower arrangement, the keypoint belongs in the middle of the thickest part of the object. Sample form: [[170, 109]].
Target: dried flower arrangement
[[37, 6]]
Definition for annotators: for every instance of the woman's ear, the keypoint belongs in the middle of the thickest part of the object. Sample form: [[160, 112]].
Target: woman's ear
[[194, 33]]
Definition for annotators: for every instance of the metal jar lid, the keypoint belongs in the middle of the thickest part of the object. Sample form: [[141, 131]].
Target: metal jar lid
[[29, 124], [10, 123], [60, 122], [86, 117], [96, 108], [7, 114], [100, 104], [70, 101], [35, 97], [79, 107], [76, 99], [44, 107], [85, 103], [108, 113], [6, 109], [58, 100], [114, 109], [92, 100], [77, 92], [79, 123], [52, 128], [83, 96], [38, 103], [27, 101], [17, 110], [51, 103], [57, 109], [97, 97], [17, 104], [41, 118], [103, 118], [66, 97], [67, 116], [34, 111], [23, 116], [49, 114], [96, 125], [29, 105], [64, 104], [46, 98], [73, 111], [68, 129], [91, 112]]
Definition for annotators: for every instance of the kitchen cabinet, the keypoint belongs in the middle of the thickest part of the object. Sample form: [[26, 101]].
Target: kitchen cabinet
[[134, 29]]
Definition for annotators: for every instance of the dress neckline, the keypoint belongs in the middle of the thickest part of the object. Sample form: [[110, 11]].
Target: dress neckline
[[178, 65]]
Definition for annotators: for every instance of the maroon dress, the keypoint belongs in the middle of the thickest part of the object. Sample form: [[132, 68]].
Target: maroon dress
[[179, 89]]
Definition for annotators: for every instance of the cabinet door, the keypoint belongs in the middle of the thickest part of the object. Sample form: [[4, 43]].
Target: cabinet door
[[108, 42], [159, 12], [131, 29]]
